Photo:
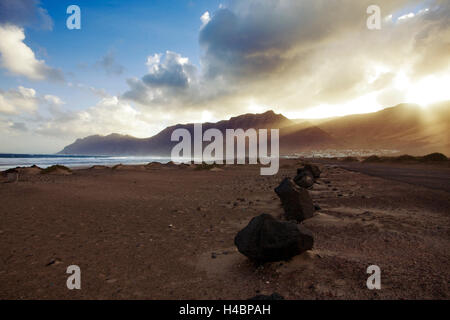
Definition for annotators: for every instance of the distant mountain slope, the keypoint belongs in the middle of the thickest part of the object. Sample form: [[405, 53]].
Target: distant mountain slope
[[311, 138], [407, 128], [160, 144], [113, 144]]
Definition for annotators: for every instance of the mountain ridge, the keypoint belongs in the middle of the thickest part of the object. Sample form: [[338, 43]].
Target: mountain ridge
[[405, 127]]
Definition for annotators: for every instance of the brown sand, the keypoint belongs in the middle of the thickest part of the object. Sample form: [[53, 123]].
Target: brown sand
[[168, 233]]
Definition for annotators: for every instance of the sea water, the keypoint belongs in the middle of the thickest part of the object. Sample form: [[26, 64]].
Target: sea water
[[10, 160]]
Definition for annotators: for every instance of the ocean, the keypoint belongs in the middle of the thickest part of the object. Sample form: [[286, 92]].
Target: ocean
[[10, 160]]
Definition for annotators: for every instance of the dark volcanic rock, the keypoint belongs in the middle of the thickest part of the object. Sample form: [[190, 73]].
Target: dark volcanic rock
[[267, 239], [273, 296], [313, 169], [304, 179], [297, 203], [307, 237], [435, 157]]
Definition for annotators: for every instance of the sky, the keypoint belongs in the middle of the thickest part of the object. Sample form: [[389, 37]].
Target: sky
[[136, 67]]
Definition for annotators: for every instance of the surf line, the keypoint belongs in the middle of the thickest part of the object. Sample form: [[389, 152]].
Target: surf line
[[214, 151]]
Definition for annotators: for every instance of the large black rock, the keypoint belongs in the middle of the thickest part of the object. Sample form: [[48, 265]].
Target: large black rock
[[297, 203], [266, 239]]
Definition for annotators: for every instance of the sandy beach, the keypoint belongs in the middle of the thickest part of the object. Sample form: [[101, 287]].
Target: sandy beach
[[167, 232]]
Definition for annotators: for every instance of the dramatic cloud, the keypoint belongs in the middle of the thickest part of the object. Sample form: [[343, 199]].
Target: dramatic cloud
[[24, 13], [297, 55], [318, 52], [19, 59]]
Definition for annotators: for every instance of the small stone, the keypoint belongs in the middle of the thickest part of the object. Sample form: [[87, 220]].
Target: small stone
[[53, 262]]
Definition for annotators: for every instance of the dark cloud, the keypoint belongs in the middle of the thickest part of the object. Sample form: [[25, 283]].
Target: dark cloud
[[52, 74], [19, 126], [170, 76], [173, 77], [110, 65], [173, 71], [138, 91], [259, 38], [240, 47], [25, 13]]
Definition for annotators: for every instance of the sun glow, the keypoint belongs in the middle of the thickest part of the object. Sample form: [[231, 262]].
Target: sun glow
[[429, 90], [423, 92], [364, 104], [254, 107]]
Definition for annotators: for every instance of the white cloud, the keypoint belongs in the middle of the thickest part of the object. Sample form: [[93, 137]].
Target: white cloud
[[205, 18], [153, 62], [54, 100], [413, 14], [406, 16], [16, 101], [99, 92], [109, 115], [19, 59]]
